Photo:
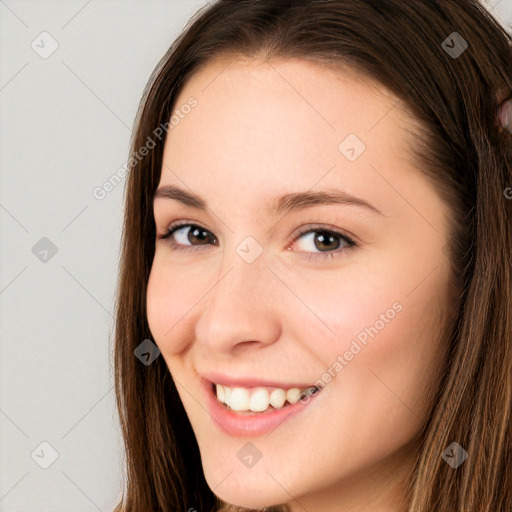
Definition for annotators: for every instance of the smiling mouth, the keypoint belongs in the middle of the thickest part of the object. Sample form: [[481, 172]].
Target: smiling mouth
[[261, 399]]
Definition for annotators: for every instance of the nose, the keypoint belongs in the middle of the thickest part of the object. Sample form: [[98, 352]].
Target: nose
[[242, 309]]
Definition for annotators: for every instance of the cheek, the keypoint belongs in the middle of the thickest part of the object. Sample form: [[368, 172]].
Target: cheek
[[157, 303], [168, 299], [173, 300], [384, 342]]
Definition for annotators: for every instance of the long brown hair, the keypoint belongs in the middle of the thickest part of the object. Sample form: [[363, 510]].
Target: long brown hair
[[461, 148]]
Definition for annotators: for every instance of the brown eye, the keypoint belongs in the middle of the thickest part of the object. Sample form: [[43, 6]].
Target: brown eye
[[324, 241], [199, 235], [188, 235]]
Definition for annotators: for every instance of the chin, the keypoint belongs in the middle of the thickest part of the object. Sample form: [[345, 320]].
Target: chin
[[247, 493]]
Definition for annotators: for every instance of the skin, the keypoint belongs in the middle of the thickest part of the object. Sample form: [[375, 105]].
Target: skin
[[253, 137]]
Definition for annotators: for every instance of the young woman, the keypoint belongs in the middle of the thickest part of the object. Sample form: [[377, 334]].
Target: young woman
[[314, 308]]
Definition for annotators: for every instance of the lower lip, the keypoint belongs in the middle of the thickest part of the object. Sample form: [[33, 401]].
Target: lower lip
[[253, 425]]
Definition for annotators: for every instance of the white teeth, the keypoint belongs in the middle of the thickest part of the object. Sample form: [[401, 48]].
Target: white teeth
[[258, 399], [292, 395], [239, 399], [220, 393], [277, 398]]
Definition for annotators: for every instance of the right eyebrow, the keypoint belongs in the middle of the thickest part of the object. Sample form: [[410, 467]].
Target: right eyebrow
[[188, 199]]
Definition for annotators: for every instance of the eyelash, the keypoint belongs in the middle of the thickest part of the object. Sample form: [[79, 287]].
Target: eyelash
[[327, 255]]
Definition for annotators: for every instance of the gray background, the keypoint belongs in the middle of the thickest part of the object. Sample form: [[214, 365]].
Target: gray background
[[64, 130]]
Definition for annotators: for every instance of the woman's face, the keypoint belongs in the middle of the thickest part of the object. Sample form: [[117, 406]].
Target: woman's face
[[264, 291]]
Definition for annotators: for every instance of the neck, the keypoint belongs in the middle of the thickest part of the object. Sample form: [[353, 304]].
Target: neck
[[379, 488]]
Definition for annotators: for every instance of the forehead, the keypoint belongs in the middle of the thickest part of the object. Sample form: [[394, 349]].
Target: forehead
[[264, 125], [301, 101], [295, 80]]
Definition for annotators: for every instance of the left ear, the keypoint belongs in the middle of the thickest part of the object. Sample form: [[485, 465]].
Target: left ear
[[505, 114]]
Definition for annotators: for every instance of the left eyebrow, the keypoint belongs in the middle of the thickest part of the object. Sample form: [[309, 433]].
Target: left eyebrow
[[300, 200], [280, 205]]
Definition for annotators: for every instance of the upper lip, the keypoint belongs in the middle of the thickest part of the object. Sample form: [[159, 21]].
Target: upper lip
[[249, 382]]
